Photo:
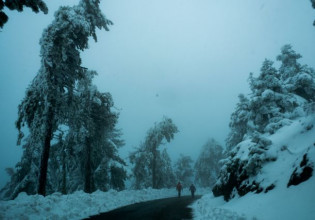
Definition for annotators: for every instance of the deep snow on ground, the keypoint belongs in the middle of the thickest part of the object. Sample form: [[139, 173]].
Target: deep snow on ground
[[78, 205], [295, 202]]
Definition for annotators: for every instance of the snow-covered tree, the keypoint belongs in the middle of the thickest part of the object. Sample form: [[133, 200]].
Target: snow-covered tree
[[165, 174], [147, 158], [277, 97], [25, 175], [141, 160], [96, 123], [95, 140], [91, 118], [142, 169], [35, 5], [297, 79], [184, 170], [52, 89], [266, 103], [313, 4], [238, 122], [207, 166]]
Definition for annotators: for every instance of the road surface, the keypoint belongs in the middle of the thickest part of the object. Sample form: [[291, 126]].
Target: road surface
[[165, 209]]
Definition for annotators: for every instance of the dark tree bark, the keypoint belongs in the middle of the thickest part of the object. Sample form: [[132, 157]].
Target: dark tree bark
[[88, 176], [45, 153]]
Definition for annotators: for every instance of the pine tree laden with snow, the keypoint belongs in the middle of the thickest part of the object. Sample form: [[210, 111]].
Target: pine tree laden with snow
[[238, 122], [61, 43], [25, 173], [147, 160], [35, 5], [164, 172], [297, 79], [92, 141], [313, 4], [90, 115]]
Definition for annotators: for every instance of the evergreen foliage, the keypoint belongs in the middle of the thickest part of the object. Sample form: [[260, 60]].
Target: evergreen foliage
[[267, 97], [313, 4], [238, 122], [25, 176], [90, 119], [164, 172], [35, 5], [297, 79], [61, 95]]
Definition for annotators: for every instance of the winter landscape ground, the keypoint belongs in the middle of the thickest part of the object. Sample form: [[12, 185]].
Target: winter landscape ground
[[282, 202], [78, 205]]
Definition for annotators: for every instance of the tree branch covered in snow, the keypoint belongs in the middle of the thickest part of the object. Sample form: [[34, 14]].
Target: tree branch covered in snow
[[35, 5]]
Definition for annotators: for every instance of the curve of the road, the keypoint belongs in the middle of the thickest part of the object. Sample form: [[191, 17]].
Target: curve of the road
[[167, 209]]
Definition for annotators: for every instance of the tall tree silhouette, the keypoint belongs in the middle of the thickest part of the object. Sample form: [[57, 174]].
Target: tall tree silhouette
[[52, 89]]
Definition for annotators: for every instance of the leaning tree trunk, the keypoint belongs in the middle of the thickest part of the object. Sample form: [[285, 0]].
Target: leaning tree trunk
[[45, 152]]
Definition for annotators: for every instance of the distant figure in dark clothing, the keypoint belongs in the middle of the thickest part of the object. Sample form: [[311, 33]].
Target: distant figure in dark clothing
[[179, 188], [192, 189]]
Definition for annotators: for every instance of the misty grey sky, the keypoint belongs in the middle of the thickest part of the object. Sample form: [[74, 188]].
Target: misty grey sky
[[186, 59]]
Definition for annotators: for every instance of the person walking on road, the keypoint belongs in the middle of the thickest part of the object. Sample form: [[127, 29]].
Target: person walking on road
[[192, 189], [179, 188]]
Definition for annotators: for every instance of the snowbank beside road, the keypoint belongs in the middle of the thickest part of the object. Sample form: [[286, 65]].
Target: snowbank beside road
[[79, 204], [296, 202], [289, 144]]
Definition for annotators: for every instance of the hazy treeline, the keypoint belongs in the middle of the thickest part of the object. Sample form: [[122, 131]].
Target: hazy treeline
[[152, 166]]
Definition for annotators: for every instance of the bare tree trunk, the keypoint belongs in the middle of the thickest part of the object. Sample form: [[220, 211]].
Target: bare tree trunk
[[87, 183], [45, 153]]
